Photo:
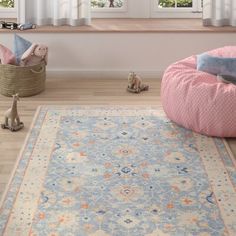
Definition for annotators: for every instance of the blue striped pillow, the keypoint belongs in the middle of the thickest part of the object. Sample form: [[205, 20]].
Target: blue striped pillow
[[216, 65]]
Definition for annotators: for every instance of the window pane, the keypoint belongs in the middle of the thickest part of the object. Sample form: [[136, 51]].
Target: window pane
[[6, 3], [184, 3], [107, 3], [166, 3], [175, 3]]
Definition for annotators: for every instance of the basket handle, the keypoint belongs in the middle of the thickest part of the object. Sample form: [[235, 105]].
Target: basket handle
[[38, 72]]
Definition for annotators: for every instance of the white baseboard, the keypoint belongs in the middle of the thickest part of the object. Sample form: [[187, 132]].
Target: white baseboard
[[103, 74]]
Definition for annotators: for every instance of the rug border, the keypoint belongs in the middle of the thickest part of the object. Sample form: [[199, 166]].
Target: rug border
[[233, 158], [19, 156]]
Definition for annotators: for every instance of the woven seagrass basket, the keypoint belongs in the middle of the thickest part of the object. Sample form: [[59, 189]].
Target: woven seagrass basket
[[24, 80]]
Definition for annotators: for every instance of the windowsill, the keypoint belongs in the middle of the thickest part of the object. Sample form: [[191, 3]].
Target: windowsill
[[133, 26]]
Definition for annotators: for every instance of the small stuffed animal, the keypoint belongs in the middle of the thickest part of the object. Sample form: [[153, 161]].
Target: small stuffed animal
[[36, 54], [135, 83], [12, 114]]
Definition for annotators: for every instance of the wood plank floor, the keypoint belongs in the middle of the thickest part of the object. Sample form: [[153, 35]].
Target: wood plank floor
[[61, 91]]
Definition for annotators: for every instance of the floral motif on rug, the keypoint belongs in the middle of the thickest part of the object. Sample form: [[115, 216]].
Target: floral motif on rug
[[112, 171]]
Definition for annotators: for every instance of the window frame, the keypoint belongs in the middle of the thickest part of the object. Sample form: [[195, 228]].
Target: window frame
[[192, 12], [148, 9], [6, 13], [110, 12], [130, 9]]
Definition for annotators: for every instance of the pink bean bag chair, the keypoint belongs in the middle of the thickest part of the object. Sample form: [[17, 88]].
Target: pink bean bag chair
[[196, 100]]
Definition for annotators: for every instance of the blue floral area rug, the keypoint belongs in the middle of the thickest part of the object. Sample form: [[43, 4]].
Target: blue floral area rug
[[118, 171]]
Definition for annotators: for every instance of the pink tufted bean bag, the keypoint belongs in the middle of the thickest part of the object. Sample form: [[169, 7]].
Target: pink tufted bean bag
[[197, 100]]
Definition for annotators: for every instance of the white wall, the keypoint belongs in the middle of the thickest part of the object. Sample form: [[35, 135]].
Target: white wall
[[115, 54]]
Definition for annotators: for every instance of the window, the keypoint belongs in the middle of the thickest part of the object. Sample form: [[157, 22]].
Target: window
[[7, 3], [107, 4], [177, 8], [127, 8], [8, 8], [146, 8], [109, 8]]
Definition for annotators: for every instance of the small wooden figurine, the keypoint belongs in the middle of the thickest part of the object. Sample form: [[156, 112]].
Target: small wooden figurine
[[135, 84], [12, 114]]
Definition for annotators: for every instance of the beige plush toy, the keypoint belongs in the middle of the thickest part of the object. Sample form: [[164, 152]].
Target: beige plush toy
[[135, 83], [12, 115], [36, 54]]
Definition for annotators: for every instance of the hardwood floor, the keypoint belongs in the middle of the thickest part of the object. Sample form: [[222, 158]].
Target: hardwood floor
[[61, 91]]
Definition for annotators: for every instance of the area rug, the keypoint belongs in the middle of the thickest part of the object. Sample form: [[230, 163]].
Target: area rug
[[122, 171]]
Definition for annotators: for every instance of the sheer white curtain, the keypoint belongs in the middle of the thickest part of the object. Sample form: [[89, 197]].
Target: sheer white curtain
[[54, 12], [219, 12]]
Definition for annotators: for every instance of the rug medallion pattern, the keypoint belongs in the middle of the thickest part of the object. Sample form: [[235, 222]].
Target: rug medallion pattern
[[112, 171]]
